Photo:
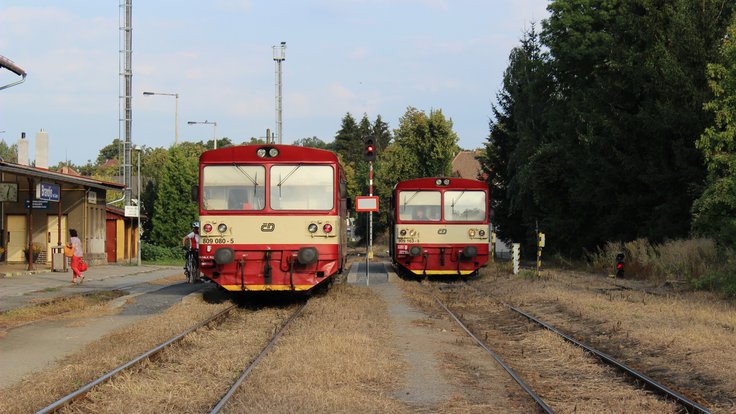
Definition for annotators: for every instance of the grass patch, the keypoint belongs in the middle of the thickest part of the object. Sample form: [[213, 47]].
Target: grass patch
[[697, 262], [47, 308]]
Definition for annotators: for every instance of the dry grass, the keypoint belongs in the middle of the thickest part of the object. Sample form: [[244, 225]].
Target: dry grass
[[675, 259], [336, 358], [564, 376], [40, 389], [59, 307], [689, 340], [169, 280]]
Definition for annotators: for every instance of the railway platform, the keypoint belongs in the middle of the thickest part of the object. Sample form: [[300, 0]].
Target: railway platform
[[20, 287]]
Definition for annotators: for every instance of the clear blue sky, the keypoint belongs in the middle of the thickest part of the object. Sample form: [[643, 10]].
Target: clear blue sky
[[360, 56]]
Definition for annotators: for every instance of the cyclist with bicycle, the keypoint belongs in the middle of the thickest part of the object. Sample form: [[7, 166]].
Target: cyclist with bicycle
[[190, 243]]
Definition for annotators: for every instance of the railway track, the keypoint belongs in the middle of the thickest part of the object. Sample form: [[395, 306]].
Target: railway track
[[79, 395], [637, 377], [247, 371], [82, 391]]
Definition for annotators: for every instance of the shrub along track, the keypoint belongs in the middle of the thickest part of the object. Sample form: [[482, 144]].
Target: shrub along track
[[565, 377]]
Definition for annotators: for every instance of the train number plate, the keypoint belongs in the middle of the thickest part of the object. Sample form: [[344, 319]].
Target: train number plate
[[217, 240]]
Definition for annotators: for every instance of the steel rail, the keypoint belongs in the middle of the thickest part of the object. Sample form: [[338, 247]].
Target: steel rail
[[246, 372], [689, 404], [498, 359], [86, 388]]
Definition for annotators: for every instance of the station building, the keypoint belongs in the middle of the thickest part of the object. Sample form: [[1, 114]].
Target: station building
[[39, 206]]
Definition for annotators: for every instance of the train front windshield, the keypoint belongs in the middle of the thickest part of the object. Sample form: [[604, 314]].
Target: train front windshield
[[302, 187], [233, 187], [292, 187], [465, 205], [426, 206]]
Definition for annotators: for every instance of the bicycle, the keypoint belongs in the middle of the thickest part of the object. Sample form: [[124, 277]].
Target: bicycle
[[191, 265]]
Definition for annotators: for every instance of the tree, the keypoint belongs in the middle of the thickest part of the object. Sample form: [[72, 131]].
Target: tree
[[110, 152], [312, 142], [348, 141], [714, 213], [430, 138], [381, 134], [8, 153], [173, 209]]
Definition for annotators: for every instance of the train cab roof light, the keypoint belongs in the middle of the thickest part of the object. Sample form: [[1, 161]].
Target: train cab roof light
[[446, 181], [273, 152], [438, 181], [261, 152]]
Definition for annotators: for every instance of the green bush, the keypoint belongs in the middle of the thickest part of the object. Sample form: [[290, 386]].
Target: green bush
[[721, 281], [153, 253]]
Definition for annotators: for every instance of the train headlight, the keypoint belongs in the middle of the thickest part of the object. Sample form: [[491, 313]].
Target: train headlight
[[327, 228], [272, 152], [471, 233], [312, 228], [402, 232], [412, 232], [481, 233], [222, 228], [207, 228], [261, 153]]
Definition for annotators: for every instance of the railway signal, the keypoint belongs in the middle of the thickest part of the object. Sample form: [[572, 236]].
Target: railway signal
[[620, 265], [370, 151]]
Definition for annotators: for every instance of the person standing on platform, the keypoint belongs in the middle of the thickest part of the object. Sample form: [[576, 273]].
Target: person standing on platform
[[77, 257]]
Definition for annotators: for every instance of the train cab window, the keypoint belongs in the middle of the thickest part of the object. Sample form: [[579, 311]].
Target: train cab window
[[465, 205], [233, 187], [419, 205], [302, 187]]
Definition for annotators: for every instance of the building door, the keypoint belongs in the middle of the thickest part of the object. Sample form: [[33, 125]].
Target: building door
[[17, 238], [52, 233], [111, 240]]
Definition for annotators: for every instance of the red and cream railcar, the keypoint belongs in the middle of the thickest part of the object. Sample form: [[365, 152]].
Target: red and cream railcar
[[439, 226], [272, 217]]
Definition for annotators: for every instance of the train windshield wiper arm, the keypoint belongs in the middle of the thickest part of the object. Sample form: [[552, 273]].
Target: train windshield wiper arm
[[406, 202], [455, 200], [245, 173]]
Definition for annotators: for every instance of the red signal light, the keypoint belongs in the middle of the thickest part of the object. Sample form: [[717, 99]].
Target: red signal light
[[207, 228], [327, 228], [619, 265]]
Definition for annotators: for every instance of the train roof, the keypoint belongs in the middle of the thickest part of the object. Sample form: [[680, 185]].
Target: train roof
[[287, 153], [431, 182]]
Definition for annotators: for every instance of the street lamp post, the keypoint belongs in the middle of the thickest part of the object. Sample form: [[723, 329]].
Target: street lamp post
[[176, 112], [214, 128], [138, 230]]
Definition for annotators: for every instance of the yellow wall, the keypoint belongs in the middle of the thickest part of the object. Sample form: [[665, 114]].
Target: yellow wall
[[120, 231]]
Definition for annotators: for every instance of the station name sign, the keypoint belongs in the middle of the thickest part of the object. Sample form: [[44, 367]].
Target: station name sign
[[48, 192]]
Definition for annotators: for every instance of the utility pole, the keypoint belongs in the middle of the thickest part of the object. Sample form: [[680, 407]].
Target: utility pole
[[279, 55]]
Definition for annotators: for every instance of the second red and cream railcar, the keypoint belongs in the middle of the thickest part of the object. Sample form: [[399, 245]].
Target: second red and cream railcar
[[439, 226]]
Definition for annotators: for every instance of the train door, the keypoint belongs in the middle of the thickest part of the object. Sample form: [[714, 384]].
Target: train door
[[52, 233], [17, 238]]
